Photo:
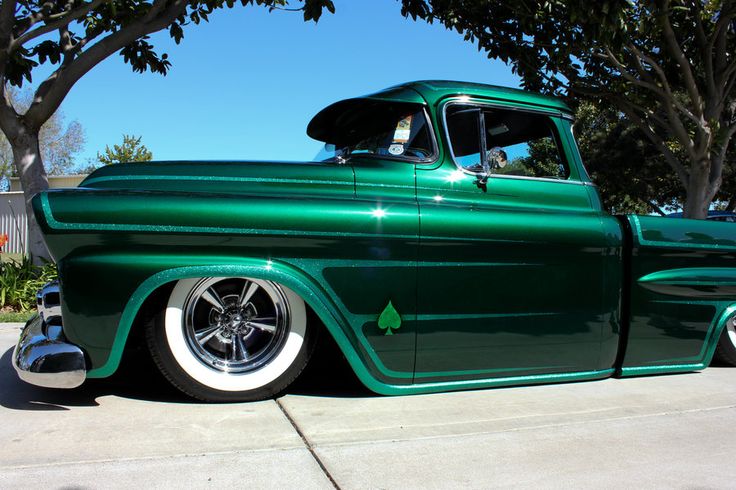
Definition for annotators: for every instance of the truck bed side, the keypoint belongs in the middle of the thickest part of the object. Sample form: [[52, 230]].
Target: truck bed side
[[682, 288]]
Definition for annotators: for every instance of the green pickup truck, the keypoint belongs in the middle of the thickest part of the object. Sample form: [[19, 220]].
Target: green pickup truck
[[447, 237]]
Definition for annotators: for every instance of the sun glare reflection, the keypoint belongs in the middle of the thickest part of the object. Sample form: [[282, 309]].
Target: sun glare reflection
[[378, 213], [455, 176]]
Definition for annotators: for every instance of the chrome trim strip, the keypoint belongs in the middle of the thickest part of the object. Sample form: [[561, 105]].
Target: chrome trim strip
[[543, 179], [49, 362]]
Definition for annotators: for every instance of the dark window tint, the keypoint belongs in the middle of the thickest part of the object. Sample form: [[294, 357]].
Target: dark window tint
[[396, 131]]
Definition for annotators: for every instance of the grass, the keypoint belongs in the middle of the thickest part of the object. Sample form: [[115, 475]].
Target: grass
[[16, 316]]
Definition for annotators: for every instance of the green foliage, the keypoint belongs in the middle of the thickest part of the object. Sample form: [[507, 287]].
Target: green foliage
[[539, 38], [667, 66], [131, 150], [20, 280], [631, 174]]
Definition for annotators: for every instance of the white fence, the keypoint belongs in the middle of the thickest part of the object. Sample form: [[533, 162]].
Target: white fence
[[13, 222]]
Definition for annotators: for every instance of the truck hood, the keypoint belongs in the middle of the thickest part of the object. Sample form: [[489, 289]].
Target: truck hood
[[270, 178]]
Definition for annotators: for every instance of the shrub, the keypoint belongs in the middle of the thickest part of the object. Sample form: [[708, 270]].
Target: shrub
[[20, 280]]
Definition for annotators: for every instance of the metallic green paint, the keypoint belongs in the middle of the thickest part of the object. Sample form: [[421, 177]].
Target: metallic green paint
[[681, 292], [695, 282], [526, 281]]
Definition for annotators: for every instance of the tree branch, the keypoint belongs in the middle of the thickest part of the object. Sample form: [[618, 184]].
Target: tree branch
[[705, 47], [59, 22], [8, 116], [7, 18], [729, 72], [54, 89], [728, 88], [629, 76], [655, 207], [154, 11], [730, 132], [626, 107], [39, 14], [691, 85], [670, 98], [65, 42], [720, 33], [731, 206]]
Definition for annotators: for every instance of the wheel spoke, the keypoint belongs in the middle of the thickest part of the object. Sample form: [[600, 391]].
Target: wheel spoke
[[235, 325], [249, 289], [239, 352], [211, 296], [264, 323], [205, 335]]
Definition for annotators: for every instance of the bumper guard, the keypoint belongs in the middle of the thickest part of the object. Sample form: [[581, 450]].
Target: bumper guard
[[43, 357]]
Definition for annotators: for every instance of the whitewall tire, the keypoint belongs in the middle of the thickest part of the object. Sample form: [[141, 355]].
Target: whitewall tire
[[231, 338]]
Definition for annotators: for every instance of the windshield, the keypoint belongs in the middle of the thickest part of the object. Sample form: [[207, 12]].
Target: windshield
[[394, 131]]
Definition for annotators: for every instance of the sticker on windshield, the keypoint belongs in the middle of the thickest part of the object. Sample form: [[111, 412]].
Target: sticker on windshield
[[403, 131], [396, 150]]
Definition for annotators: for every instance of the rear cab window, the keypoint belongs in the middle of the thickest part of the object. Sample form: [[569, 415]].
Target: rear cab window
[[391, 131]]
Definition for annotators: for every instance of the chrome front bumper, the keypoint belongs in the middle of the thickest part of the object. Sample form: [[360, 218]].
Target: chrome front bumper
[[43, 357]]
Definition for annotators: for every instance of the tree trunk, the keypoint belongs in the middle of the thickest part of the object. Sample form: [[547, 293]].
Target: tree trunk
[[28, 164], [698, 196]]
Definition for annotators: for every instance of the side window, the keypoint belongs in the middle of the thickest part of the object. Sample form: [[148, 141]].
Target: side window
[[515, 142]]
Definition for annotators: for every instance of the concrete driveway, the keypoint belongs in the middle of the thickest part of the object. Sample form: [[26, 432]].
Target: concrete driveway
[[133, 431]]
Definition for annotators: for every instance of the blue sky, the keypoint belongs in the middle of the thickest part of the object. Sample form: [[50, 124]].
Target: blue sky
[[245, 85]]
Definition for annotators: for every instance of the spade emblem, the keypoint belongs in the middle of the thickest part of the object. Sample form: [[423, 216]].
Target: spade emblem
[[389, 320]]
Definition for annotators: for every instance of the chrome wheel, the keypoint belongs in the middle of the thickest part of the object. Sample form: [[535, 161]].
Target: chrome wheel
[[231, 338], [731, 329], [726, 348], [235, 325]]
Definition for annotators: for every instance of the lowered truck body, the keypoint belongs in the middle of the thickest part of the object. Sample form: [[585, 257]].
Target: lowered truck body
[[448, 238]]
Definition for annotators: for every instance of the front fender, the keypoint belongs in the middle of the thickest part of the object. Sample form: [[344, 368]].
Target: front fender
[[354, 347]]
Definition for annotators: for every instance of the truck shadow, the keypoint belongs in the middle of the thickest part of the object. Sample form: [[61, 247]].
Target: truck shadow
[[327, 375], [136, 381]]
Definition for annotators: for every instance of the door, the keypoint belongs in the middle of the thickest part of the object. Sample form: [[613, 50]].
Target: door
[[511, 275]]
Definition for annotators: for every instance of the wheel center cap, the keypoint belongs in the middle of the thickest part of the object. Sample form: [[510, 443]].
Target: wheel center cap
[[235, 320]]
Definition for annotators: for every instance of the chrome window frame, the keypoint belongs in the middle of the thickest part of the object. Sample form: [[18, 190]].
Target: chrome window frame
[[467, 101]]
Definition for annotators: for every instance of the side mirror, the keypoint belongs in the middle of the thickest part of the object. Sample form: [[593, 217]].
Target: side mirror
[[494, 158], [497, 158]]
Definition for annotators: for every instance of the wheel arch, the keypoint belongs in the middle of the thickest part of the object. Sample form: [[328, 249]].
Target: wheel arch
[[314, 296]]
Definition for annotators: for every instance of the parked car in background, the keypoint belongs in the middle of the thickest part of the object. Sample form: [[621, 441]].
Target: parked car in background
[[448, 238], [727, 216]]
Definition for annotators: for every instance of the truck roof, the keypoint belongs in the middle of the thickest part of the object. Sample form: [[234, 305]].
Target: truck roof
[[435, 90], [325, 124]]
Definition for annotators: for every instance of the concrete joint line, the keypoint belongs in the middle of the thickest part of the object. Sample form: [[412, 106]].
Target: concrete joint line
[[307, 444]]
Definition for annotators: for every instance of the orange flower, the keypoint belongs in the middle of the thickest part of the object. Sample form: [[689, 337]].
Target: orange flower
[[3, 239]]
